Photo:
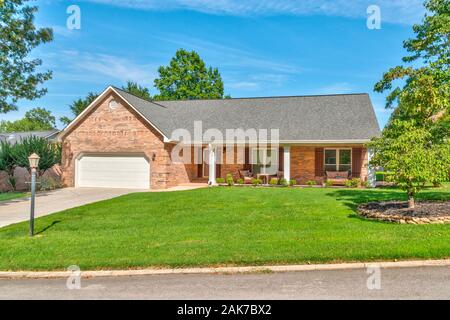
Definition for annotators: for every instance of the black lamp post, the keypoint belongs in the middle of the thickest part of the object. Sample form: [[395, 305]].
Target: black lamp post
[[34, 164]]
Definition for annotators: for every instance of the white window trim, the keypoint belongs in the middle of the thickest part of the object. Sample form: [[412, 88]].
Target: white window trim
[[338, 150], [265, 155]]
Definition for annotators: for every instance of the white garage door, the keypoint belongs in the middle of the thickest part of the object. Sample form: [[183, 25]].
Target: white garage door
[[113, 171]]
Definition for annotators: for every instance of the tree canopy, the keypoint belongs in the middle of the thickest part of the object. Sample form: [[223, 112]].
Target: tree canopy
[[18, 36], [37, 119], [187, 77], [78, 106], [414, 145], [137, 90]]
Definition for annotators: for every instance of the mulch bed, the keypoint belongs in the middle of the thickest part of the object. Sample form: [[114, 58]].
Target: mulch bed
[[398, 211]]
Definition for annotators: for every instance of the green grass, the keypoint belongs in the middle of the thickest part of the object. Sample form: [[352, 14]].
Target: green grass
[[11, 195], [222, 226]]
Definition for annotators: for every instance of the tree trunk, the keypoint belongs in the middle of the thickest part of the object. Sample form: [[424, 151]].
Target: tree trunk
[[411, 202]]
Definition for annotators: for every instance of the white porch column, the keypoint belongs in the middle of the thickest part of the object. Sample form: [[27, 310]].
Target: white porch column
[[212, 165], [287, 162], [371, 176]]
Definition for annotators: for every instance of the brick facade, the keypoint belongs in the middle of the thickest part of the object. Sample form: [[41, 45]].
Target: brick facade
[[121, 130]]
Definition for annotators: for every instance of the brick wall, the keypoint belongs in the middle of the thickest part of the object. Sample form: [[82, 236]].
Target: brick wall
[[123, 131]]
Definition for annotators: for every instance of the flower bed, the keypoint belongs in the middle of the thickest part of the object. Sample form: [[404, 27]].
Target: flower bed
[[398, 212]]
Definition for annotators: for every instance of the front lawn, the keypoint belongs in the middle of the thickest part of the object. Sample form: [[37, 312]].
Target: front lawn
[[11, 195], [222, 226]]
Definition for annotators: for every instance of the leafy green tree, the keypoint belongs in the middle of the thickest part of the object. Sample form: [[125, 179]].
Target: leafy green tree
[[187, 77], [406, 151], [36, 119], [137, 90], [49, 153], [78, 106], [414, 145], [7, 162], [18, 36]]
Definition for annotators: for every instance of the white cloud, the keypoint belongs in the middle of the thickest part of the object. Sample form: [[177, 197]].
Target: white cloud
[[105, 67], [336, 88], [398, 11]]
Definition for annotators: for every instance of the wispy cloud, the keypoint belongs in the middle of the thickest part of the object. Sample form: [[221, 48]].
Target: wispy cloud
[[335, 88], [399, 11], [104, 67]]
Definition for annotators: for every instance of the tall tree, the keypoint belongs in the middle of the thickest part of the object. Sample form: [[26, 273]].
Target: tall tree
[[137, 90], [415, 143], [18, 36], [78, 106], [34, 120], [187, 77]]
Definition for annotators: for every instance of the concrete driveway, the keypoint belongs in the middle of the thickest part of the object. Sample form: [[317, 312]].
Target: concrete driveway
[[18, 210]]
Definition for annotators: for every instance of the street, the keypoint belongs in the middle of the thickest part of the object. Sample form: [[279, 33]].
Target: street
[[393, 283]]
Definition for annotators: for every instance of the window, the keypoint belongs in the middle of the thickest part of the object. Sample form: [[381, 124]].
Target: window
[[265, 160], [338, 159]]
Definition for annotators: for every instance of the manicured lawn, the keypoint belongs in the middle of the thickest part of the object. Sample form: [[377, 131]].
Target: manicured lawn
[[11, 195], [222, 226]]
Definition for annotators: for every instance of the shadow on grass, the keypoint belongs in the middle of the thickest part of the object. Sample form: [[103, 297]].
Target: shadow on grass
[[48, 227], [354, 197]]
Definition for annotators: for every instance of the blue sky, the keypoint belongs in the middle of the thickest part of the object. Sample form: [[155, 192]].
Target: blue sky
[[261, 47]]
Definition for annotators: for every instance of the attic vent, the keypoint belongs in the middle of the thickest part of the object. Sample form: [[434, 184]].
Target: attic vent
[[113, 105]]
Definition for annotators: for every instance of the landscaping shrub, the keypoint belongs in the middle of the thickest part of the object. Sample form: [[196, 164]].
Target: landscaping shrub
[[353, 183], [7, 163], [283, 182], [49, 153], [240, 181], [292, 182], [273, 182], [311, 183], [48, 183], [220, 180], [230, 180], [256, 182], [328, 183]]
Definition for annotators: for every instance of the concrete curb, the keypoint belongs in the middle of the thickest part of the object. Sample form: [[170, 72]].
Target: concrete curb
[[219, 270]]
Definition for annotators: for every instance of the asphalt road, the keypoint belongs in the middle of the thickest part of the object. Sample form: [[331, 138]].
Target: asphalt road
[[395, 283]]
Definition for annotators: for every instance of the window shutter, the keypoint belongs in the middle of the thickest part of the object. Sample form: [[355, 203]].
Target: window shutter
[[356, 162], [247, 165], [200, 165], [319, 162], [281, 159]]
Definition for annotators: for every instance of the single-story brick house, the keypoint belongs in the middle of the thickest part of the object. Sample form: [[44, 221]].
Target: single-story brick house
[[121, 140]]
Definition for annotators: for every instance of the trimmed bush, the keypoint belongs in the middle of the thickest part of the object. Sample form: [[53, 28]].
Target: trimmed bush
[[328, 183], [256, 182], [230, 180], [273, 182], [240, 181], [220, 180], [353, 183], [292, 182], [311, 183], [283, 182]]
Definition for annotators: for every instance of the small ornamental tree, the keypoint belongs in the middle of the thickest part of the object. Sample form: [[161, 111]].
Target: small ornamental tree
[[7, 163], [49, 153], [411, 158]]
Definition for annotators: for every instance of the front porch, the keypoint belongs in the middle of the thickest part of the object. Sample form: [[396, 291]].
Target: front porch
[[302, 163]]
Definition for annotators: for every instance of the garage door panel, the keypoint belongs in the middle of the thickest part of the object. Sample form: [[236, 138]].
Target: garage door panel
[[113, 172]]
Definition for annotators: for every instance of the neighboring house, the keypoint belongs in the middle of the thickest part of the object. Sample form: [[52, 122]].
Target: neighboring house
[[14, 137], [121, 140]]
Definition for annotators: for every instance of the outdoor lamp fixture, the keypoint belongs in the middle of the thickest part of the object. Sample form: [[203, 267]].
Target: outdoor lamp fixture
[[34, 163]]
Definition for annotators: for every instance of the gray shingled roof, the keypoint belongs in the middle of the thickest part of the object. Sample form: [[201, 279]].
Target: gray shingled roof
[[324, 117], [14, 137]]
